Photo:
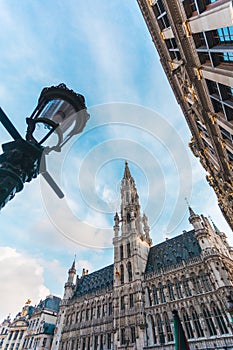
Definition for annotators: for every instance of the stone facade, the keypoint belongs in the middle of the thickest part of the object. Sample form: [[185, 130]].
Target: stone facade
[[32, 328], [129, 304], [194, 39]]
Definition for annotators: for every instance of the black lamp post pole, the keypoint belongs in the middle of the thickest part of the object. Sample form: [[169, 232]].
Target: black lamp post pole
[[19, 162]]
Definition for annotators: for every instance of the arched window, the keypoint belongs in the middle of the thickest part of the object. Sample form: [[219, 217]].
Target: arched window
[[219, 319], [186, 286], [178, 289], [151, 330], [128, 218], [161, 293], [155, 295], [128, 250], [168, 327], [206, 283], [160, 329], [129, 269], [196, 283], [196, 322], [209, 322], [187, 324], [170, 290], [122, 274]]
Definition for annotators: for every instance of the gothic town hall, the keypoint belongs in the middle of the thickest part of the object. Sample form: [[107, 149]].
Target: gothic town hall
[[129, 304]]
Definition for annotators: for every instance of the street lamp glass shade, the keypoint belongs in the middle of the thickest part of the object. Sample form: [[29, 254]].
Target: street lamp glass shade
[[62, 111]]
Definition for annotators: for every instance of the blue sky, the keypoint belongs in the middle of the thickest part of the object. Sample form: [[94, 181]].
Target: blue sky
[[103, 50]]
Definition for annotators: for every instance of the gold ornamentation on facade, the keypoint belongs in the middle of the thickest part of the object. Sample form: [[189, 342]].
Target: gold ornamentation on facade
[[213, 118], [198, 73], [171, 65], [223, 143], [162, 36], [150, 3], [193, 93], [187, 28]]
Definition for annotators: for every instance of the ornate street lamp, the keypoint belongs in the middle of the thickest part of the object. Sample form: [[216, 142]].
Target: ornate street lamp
[[63, 113]]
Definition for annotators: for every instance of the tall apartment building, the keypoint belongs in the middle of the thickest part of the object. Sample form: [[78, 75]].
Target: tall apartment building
[[128, 305], [194, 39]]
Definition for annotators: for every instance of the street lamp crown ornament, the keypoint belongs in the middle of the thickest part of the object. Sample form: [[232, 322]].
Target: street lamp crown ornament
[[62, 112]]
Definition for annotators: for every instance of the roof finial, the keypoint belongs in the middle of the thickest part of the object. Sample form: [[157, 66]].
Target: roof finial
[[191, 212], [216, 229]]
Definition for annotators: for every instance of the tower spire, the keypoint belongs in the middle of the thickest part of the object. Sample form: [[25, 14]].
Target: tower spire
[[127, 174]]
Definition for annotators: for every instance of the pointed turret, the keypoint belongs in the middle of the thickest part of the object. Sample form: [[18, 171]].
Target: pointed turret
[[71, 273], [69, 286], [195, 220]]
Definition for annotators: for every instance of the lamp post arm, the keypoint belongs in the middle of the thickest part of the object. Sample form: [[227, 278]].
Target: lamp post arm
[[9, 126]]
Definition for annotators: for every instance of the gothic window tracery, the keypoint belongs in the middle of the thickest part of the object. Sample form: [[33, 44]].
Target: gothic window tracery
[[185, 283], [178, 289], [151, 330], [160, 329], [168, 327], [155, 295], [208, 320], [219, 319], [196, 322], [170, 290], [205, 279], [196, 283], [161, 293], [187, 324]]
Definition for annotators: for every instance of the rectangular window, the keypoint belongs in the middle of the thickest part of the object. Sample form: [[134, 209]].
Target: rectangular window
[[96, 342], [84, 344], [98, 311], [110, 308], [122, 336], [133, 335], [122, 302], [131, 301], [121, 252], [87, 314], [101, 342], [128, 250], [109, 343]]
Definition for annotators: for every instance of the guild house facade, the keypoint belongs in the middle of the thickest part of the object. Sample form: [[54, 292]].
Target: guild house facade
[[129, 304], [194, 40]]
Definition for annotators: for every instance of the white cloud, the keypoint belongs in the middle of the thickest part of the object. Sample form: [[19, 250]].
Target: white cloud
[[21, 278]]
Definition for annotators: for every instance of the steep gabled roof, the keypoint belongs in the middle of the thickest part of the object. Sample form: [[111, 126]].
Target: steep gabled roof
[[97, 280], [173, 251]]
